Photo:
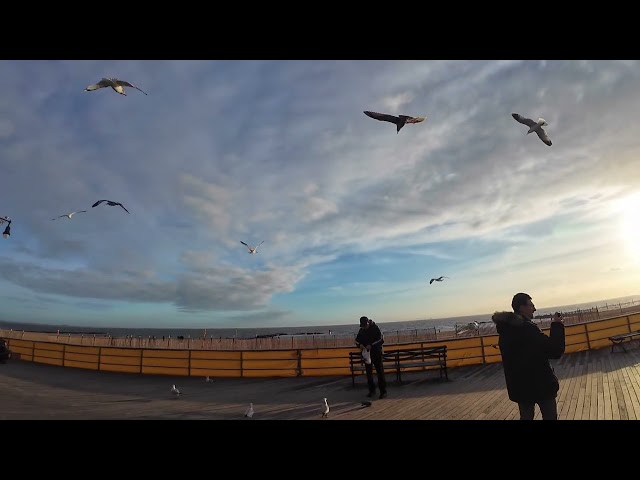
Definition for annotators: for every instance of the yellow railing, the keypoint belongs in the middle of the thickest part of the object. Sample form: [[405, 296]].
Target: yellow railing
[[286, 362]]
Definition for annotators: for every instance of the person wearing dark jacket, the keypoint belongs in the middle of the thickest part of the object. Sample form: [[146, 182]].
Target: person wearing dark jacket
[[526, 351], [370, 338]]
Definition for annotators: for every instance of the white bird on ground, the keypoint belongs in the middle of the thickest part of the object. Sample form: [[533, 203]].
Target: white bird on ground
[[252, 249], [175, 391], [207, 379], [249, 412], [116, 84], [534, 126], [325, 409], [69, 215]]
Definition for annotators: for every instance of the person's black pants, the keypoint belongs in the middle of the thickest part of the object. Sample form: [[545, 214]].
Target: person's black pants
[[376, 361]]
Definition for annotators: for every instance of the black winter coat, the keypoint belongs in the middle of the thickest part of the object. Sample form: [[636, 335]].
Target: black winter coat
[[525, 354], [371, 336]]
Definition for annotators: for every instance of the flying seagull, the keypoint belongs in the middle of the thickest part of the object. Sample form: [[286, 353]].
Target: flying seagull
[[325, 409], [534, 126], [175, 391], [69, 215], [475, 326], [249, 412], [439, 279], [251, 249], [400, 121], [110, 203], [117, 85]]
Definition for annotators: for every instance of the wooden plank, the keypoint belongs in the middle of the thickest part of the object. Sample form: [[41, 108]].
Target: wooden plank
[[586, 405], [593, 385]]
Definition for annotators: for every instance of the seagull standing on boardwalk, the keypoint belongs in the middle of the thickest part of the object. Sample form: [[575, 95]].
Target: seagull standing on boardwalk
[[69, 215], [534, 127], [175, 391], [249, 412], [325, 409], [110, 203], [251, 249], [439, 279], [117, 85], [399, 121]]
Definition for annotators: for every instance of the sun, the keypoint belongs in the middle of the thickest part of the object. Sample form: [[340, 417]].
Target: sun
[[629, 215]]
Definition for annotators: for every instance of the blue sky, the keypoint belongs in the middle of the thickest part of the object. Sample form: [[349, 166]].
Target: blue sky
[[355, 218]]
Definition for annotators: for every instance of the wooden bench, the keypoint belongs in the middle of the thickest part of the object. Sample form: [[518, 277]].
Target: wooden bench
[[620, 339], [404, 358]]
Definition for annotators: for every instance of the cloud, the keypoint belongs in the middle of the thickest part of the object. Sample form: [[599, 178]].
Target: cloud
[[281, 152]]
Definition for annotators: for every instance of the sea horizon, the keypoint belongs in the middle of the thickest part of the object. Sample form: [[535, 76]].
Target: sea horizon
[[445, 323]]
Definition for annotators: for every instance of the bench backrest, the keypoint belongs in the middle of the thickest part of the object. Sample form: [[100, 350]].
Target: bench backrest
[[625, 335], [404, 354]]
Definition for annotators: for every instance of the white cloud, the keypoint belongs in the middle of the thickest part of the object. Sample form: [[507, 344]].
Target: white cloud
[[281, 152]]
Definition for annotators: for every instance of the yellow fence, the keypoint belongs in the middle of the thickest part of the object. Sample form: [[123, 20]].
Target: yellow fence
[[287, 363]]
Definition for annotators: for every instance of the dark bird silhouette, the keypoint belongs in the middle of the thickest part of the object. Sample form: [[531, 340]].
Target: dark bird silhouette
[[439, 279], [399, 121], [534, 126], [117, 85], [110, 203]]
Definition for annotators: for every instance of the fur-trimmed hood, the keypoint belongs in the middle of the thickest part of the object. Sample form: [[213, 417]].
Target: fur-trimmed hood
[[509, 318]]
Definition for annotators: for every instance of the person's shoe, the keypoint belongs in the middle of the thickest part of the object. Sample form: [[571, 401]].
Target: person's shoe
[[383, 395]]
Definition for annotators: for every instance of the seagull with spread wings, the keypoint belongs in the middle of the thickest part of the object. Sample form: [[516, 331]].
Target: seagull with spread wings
[[399, 121], [439, 279], [252, 249], [110, 203], [116, 84], [534, 126], [69, 215]]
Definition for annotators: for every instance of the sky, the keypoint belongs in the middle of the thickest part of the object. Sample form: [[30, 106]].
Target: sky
[[355, 218]]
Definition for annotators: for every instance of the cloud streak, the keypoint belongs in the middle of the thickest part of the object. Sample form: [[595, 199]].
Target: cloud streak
[[281, 152]]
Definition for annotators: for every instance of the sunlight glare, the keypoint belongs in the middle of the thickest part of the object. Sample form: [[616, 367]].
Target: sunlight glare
[[630, 225]]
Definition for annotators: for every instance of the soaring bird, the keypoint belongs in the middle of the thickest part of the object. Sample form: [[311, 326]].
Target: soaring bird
[[400, 121], [534, 126], [110, 203], [117, 85], [251, 249], [325, 409], [439, 279], [69, 215]]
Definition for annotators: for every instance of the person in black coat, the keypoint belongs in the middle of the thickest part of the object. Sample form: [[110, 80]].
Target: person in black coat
[[526, 351], [370, 338]]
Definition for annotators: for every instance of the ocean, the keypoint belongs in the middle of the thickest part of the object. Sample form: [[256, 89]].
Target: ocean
[[443, 324]]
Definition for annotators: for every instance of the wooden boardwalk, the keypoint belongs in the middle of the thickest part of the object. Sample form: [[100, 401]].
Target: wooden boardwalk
[[593, 385]]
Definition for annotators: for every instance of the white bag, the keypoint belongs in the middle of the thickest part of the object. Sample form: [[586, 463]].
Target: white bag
[[366, 356]]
